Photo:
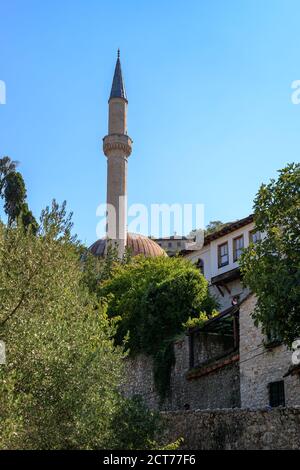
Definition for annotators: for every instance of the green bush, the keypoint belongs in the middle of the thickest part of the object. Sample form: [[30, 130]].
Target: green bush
[[153, 297]]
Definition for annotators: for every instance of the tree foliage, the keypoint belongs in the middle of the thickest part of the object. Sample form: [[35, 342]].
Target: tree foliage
[[214, 226], [7, 166], [153, 297], [59, 388], [13, 191], [135, 426], [14, 195], [271, 267], [211, 227]]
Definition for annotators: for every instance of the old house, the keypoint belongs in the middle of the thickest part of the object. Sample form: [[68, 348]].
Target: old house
[[266, 373], [227, 362]]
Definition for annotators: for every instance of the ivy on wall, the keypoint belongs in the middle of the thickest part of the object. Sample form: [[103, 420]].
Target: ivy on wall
[[153, 299]]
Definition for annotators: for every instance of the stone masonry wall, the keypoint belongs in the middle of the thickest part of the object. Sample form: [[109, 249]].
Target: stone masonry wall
[[259, 365], [210, 345], [278, 428], [218, 388]]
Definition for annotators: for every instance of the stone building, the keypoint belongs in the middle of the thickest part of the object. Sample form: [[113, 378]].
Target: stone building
[[267, 375], [227, 363], [174, 245]]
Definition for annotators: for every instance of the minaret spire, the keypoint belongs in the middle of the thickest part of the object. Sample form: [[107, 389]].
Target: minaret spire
[[117, 148], [118, 87]]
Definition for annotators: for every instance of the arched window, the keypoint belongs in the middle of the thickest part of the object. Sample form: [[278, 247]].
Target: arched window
[[200, 265]]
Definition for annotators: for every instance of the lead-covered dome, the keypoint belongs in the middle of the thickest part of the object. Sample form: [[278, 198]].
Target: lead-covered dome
[[137, 244]]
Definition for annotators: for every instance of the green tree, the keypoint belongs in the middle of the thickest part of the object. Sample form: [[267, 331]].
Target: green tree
[[96, 269], [13, 191], [28, 219], [59, 388], [135, 426], [271, 267], [214, 226], [14, 195], [153, 297], [6, 166]]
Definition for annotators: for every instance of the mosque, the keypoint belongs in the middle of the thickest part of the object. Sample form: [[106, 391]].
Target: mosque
[[228, 362], [117, 146]]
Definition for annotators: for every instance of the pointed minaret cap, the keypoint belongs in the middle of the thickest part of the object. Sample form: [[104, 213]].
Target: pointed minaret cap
[[118, 87]]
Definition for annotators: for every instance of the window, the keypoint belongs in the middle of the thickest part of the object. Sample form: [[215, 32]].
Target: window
[[170, 244], [223, 258], [276, 394], [238, 245], [200, 265], [179, 244], [273, 339], [254, 236]]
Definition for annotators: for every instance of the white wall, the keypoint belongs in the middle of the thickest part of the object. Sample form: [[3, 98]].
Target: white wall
[[215, 270], [209, 255]]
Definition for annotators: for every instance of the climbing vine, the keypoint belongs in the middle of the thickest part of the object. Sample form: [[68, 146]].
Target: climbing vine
[[153, 298]]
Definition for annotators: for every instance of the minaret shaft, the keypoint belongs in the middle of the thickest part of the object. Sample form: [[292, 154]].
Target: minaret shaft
[[117, 116]]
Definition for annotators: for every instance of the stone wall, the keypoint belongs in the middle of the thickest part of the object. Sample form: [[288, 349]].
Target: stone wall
[[204, 387], [138, 380], [235, 429], [260, 366], [210, 345]]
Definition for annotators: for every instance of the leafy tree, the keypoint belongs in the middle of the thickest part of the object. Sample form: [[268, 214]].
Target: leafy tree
[[60, 385], [136, 427], [214, 226], [13, 191], [153, 297], [271, 267], [14, 195], [7, 166], [28, 219], [96, 269]]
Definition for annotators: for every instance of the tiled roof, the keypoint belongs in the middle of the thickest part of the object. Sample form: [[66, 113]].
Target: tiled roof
[[228, 228]]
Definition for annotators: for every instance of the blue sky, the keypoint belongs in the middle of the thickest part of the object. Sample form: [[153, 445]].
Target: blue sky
[[209, 89]]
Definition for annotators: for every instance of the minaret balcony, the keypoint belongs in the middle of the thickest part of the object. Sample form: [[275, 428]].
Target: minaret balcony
[[117, 142]]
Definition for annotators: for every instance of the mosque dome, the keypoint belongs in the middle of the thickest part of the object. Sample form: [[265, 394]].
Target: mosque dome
[[137, 244]]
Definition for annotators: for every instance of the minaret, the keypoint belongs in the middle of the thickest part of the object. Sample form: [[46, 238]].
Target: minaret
[[117, 148]]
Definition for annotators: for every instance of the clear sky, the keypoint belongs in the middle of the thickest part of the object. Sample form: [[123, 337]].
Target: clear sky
[[209, 89]]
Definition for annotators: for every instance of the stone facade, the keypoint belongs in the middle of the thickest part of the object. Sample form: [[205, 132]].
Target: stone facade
[[233, 368], [139, 381], [220, 375], [203, 387], [235, 429], [260, 366]]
